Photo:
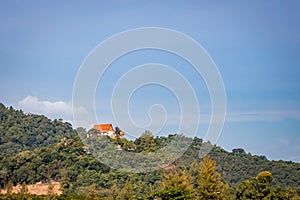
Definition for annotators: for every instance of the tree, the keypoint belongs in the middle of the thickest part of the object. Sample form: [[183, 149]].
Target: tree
[[193, 170], [81, 132], [127, 192], [178, 184], [178, 180], [92, 192], [279, 193], [292, 194], [239, 152], [9, 187], [50, 189], [114, 193], [256, 188], [24, 189], [210, 185], [117, 132], [259, 188], [145, 143]]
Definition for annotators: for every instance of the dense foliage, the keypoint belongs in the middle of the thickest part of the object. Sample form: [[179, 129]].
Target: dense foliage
[[34, 148], [19, 131]]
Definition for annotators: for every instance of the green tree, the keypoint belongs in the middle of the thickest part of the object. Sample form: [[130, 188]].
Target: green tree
[[146, 142], [81, 132], [210, 184], [279, 193], [292, 194], [178, 184], [256, 188], [178, 180], [24, 189], [50, 189], [117, 132], [92, 193], [114, 193], [127, 192], [259, 188], [9, 187]]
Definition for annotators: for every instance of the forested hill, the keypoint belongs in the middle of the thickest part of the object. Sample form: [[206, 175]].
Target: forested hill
[[34, 148], [20, 131]]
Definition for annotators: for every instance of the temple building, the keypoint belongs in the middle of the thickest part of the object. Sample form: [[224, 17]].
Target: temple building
[[107, 129]]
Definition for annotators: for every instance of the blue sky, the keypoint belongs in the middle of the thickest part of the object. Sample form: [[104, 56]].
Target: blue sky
[[255, 45]]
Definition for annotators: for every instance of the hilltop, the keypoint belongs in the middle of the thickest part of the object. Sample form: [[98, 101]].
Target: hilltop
[[20, 131]]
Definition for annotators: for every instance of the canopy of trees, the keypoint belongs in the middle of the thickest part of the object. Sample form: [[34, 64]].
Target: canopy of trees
[[34, 148]]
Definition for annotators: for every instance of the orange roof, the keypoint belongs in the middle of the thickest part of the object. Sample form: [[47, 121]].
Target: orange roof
[[104, 127]]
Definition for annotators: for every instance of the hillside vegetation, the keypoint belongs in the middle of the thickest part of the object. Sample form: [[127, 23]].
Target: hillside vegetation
[[35, 148], [20, 131]]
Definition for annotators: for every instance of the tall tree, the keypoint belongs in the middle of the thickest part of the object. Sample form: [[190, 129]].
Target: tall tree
[[256, 188], [292, 194], [178, 180], [114, 193], [259, 188], [92, 192], [9, 187], [117, 132], [50, 189], [210, 184], [178, 184], [127, 192], [24, 189]]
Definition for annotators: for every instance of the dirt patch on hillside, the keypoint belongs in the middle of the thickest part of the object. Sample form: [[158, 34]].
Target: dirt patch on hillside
[[38, 188]]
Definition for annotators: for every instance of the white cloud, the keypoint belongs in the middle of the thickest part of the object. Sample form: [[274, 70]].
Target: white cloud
[[57, 109], [61, 109]]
